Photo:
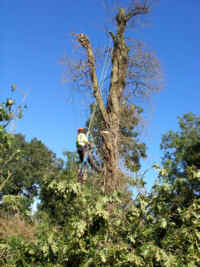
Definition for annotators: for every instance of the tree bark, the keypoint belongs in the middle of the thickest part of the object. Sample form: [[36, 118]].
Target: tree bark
[[85, 43]]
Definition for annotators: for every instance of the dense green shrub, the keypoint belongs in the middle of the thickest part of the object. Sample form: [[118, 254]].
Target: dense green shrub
[[78, 225]]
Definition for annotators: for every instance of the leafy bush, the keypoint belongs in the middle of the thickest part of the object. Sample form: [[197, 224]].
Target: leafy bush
[[77, 225]]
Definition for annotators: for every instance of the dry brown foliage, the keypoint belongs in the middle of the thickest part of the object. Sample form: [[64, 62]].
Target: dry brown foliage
[[16, 226]]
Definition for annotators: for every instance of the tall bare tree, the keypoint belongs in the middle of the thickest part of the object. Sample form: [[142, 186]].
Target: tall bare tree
[[130, 73]]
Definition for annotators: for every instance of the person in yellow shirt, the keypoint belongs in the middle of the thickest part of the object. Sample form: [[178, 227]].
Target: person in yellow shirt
[[83, 147], [82, 143]]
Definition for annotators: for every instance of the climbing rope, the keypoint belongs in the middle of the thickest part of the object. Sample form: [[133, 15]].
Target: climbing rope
[[101, 83], [83, 167]]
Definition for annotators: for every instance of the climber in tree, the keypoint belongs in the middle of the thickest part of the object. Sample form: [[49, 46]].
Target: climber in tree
[[83, 148]]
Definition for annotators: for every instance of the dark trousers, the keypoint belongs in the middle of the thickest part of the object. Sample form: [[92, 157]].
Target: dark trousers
[[82, 150]]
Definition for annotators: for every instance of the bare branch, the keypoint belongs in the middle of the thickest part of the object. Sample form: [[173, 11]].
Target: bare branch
[[138, 10], [144, 74], [85, 43]]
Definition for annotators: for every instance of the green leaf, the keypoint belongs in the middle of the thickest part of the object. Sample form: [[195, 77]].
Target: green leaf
[[163, 223], [31, 252]]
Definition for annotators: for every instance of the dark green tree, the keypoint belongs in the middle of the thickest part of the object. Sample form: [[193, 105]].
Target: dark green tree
[[22, 164], [182, 155], [174, 204], [8, 112], [29, 168]]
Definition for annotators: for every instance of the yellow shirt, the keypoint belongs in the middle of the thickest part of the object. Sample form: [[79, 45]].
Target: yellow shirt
[[81, 139]]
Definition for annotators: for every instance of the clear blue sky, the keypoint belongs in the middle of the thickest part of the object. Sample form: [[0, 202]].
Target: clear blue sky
[[35, 34]]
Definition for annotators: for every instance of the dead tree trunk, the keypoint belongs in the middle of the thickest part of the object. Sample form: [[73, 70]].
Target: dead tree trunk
[[111, 114]]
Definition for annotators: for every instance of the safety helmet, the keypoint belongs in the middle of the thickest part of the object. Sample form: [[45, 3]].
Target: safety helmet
[[80, 130]]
